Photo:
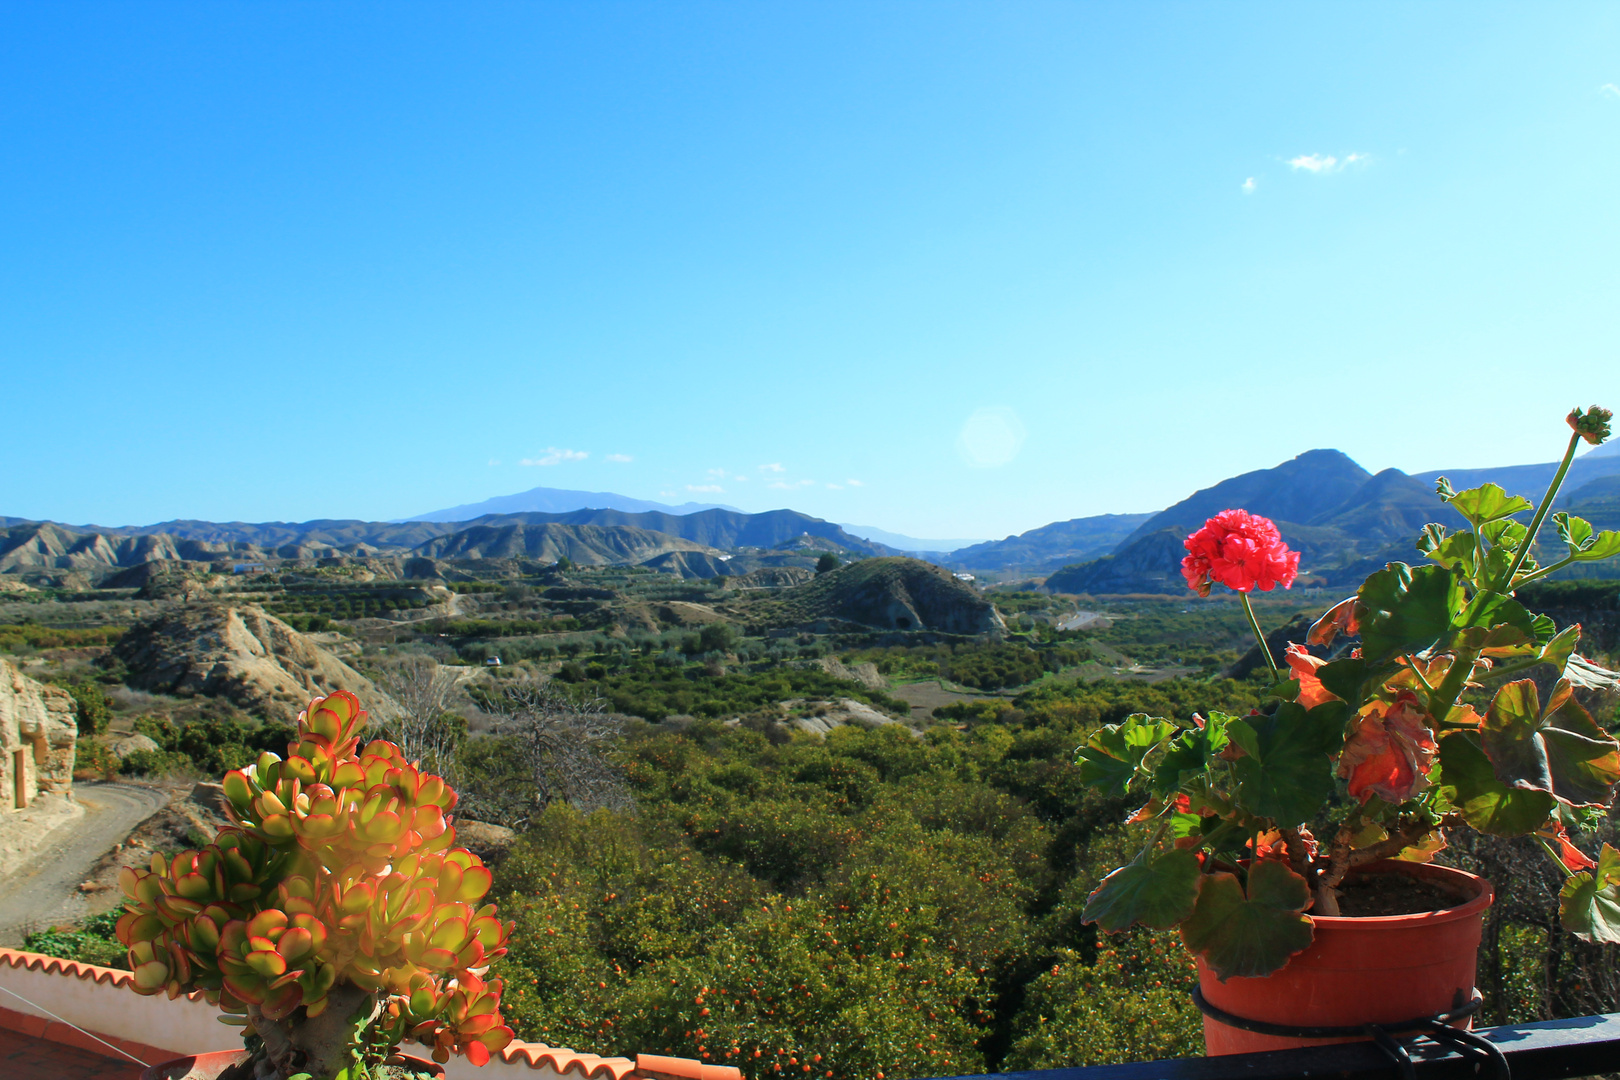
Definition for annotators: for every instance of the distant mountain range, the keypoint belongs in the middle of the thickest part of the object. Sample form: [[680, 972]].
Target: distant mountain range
[[1342, 519], [544, 500]]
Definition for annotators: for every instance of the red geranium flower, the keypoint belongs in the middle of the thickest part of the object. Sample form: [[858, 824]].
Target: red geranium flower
[[1240, 550]]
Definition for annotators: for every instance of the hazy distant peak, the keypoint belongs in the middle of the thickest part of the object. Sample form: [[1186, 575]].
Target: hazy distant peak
[[543, 500]]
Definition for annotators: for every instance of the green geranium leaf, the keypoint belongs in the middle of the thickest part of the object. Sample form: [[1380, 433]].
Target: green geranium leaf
[[1452, 551], [1589, 904], [1561, 647], [1559, 750], [1469, 783], [1486, 503], [1250, 936], [1287, 772], [1112, 756], [1154, 890], [1574, 531], [1191, 751], [1605, 545], [1407, 610], [1493, 609]]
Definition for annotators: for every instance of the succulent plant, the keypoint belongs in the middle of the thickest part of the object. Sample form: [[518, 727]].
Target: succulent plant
[[334, 917]]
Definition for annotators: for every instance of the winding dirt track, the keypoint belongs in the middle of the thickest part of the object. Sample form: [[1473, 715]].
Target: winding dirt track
[[47, 891]]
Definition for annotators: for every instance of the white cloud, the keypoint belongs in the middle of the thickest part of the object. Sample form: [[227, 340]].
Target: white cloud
[[619, 459], [1609, 88], [555, 456], [1248, 186], [777, 468], [835, 487], [1322, 164], [853, 483], [721, 473], [715, 489]]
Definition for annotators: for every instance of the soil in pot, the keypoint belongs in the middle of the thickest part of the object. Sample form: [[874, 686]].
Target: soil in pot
[[1376, 895]]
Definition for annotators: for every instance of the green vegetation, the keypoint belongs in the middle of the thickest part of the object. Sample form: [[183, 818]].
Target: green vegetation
[[91, 705], [92, 941], [866, 904], [210, 745], [15, 637]]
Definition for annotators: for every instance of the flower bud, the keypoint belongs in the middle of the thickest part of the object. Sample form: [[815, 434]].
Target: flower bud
[[1592, 425]]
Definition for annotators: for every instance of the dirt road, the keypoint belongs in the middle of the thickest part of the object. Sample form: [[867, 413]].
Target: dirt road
[[47, 891]]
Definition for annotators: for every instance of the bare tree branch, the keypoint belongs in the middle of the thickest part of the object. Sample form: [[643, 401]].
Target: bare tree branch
[[563, 745], [425, 692]]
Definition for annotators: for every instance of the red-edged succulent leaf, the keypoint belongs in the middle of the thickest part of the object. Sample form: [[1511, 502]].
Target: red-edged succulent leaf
[[1250, 934]]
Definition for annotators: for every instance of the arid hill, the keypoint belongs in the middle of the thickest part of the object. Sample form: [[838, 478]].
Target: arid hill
[[255, 660], [587, 545], [891, 593]]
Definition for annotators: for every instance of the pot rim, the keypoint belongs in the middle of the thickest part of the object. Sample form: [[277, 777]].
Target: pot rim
[[1484, 894]]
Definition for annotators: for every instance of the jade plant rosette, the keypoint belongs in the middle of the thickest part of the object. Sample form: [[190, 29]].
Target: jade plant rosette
[[335, 917], [1460, 708]]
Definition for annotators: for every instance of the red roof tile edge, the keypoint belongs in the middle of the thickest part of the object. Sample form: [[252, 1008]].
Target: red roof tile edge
[[55, 965], [532, 1055]]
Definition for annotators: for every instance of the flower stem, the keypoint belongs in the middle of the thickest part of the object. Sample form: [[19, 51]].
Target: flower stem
[[1542, 511], [1254, 624]]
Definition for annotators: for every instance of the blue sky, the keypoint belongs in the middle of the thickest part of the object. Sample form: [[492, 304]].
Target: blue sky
[[949, 269]]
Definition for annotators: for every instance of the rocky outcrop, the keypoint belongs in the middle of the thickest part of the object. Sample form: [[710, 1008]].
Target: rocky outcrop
[[38, 729], [251, 658]]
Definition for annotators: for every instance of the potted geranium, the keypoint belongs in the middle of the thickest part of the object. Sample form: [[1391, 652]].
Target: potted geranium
[[1293, 846], [333, 919]]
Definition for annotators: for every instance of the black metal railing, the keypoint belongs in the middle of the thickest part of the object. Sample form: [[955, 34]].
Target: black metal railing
[[1549, 1050]]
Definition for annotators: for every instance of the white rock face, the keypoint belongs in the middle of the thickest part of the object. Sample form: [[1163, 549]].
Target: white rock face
[[38, 730]]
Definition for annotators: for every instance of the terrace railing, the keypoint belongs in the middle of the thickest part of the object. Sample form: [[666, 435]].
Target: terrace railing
[[1549, 1050]]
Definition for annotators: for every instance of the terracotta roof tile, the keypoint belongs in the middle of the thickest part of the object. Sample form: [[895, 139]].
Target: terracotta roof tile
[[533, 1055]]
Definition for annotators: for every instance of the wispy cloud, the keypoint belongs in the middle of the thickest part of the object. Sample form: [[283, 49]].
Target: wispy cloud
[[776, 468], [494, 461], [854, 483], [835, 487], [721, 473], [1248, 186], [1609, 88], [556, 456], [619, 459], [1323, 164], [713, 489]]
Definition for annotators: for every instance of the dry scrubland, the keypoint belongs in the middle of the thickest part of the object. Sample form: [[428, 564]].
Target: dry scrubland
[[802, 835]]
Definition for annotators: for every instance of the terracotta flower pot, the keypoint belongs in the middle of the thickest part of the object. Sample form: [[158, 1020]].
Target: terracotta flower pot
[[1375, 970], [208, 1066]]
